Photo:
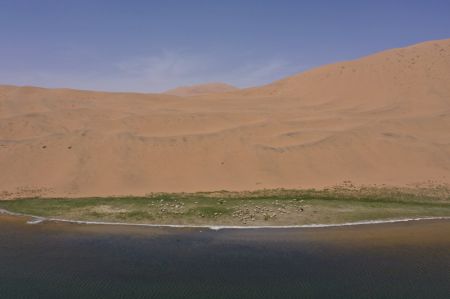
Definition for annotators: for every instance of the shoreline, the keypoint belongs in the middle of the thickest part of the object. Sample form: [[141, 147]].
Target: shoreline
[[39, 219]]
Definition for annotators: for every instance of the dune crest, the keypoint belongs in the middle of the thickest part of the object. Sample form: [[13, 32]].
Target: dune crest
[[381, 119]]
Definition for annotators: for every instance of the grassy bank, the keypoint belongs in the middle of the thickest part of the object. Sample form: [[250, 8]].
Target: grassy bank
[[265, 207]]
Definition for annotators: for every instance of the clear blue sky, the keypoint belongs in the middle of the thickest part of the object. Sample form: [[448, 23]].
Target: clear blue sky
[[154, 45]]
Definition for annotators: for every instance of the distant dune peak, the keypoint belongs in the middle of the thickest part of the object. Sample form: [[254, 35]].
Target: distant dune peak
[[200, 89]]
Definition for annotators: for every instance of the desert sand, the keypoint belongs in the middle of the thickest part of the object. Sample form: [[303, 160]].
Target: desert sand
[[201, 89], [381, 119]]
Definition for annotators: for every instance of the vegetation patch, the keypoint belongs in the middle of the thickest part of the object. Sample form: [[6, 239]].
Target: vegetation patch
[[263, 207]]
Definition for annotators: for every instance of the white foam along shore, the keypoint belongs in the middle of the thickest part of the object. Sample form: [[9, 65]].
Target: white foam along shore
[[38, 219]]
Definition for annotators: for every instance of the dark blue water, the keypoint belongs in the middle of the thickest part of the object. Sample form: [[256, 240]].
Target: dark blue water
[[77, 261]]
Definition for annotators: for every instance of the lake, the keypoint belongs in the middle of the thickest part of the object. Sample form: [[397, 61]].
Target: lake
[[61, 260]]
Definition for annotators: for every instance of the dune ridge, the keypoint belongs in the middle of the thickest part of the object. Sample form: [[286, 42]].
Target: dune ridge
[[201, 89], [381, 119]]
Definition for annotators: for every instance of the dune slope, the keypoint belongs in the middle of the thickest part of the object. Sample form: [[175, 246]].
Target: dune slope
[[381, 119]]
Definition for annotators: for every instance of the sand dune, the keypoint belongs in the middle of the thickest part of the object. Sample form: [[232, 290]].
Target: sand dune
[[201, 89], [381, 119]]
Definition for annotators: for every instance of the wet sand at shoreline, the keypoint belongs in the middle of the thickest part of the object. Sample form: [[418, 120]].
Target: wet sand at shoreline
[[434, 232]]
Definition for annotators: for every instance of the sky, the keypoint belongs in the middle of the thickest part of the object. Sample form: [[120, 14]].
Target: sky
[[152, 46]]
